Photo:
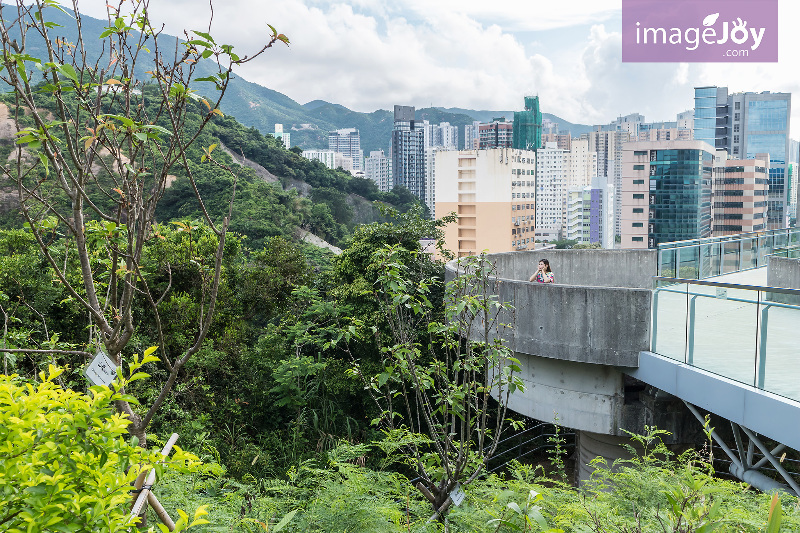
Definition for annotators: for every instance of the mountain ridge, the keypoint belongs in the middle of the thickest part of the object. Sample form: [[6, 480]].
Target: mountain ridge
[[260, 107]]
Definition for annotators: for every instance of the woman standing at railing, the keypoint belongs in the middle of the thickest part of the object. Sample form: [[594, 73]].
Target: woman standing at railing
[[544, 274]]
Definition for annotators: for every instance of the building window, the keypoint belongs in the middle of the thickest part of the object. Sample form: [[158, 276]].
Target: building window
[[638, 224], [640, 152], [737, 105], [735, 128], [638, 239], [737, 116], [638, 196], [638, 167], [736, 138], [638, 182], [638, 210]]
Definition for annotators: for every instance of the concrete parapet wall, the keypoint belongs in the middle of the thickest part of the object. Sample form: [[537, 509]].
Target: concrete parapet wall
[[605, 325], [598, 325], [596, 268], [782, 272]]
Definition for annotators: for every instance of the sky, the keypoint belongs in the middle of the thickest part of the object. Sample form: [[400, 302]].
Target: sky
[[482, 55]]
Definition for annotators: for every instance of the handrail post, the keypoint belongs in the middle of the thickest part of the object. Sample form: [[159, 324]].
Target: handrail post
[[762, 348], [654, 326], [691, 329]]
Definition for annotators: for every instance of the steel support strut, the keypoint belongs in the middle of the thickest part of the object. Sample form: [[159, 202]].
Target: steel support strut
[[742, 464]]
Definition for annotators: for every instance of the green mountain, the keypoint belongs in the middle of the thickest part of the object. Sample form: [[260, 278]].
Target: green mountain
[[261, 108]]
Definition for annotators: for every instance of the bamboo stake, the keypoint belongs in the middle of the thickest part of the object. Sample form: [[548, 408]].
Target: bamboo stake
[[151, 478], [137, 485], [160, 511]]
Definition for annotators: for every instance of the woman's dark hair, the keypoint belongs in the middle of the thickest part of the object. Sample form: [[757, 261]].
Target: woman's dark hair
[[546, 265]]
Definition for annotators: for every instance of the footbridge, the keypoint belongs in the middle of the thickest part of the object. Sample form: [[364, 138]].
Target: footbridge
[[629, 338]]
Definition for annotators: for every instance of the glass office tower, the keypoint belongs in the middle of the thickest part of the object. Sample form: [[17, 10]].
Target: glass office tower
[[705, 114], [680, 195], [749, 126]]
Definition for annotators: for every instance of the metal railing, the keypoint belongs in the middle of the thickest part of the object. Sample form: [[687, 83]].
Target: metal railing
[[787, 253], [714, 256], [742, 332]]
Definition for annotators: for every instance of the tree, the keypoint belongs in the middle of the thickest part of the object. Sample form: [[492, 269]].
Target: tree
[[99, 142], [438, 378], [564, 243]]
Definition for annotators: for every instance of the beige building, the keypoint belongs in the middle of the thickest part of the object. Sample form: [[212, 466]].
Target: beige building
[[665, 134], [562, 140], [493, 193], [740, 196]]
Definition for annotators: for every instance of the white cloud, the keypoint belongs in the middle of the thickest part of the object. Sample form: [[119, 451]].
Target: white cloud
[[371, 54]]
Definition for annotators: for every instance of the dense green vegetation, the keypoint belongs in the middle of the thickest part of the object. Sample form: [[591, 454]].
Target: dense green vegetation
[[323, 393], [262, 209]]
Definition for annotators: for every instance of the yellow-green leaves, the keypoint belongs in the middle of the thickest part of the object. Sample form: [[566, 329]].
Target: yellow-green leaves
[[63, 457], [775, 515], [207, 152]]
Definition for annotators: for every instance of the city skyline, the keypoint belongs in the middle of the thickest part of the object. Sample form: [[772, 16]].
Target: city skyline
[[569, 55]]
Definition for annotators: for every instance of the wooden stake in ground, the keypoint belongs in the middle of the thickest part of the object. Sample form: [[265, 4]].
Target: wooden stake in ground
[[146, 496]]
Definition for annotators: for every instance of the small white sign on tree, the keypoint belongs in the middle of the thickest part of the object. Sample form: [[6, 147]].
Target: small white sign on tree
[[102, 370], [457, 495]]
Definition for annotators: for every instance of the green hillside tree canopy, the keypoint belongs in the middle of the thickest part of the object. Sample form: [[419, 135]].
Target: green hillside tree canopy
[[97, 146]]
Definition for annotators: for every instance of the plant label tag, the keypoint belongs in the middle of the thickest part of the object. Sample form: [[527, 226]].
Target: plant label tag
[[102, 370], [457, 495], [722, 293]]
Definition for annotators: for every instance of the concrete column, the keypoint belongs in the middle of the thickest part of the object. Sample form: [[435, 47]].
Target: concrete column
[[590, 445]]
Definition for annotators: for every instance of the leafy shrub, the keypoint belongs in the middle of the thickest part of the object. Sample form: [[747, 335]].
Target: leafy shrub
[[64, 462]]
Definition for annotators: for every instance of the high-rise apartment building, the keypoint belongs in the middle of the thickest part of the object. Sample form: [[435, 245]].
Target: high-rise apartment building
[[629, 124], [685, 120], [472, 135], [408, 151], [285, 137], [666, 192], [430, 177], [496, 134], [442, 135], [344, 162], [608, 147], [492, 191], [740, 196], [348, 142], [664, 134], [558, 171], [745, 125], [376, 168], [326, 157], [662, 131], [527, 127], [551, 189], [590, 214], [562, 140], [791, 180]]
